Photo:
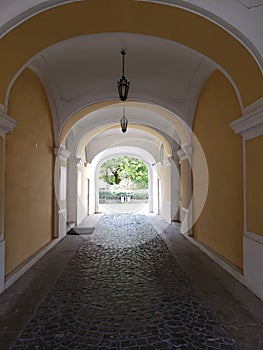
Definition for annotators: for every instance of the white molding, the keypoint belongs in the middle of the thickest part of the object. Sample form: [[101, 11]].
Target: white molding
[[250, 125], [253, 262], [157, 165], [218, 20], [62, 153], [232, 269], [244, 184], [184, 209], [185, 152], [254, 236], [14, 276], [7, 123], [167, 161], [30, 12], [80, 162], [226, 265], [42, 71], [181, 154]]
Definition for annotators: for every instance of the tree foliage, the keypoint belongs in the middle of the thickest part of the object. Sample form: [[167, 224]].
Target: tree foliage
[[119, 168]]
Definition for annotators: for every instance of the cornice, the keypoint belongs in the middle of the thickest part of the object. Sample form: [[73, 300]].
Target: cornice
[[185, 152], [250, 125], [62, 153], [7, 123]]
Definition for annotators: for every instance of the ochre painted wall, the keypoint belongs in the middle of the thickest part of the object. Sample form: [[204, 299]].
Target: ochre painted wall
[[254, 181], [220, 225], [29, 172], [159, 20]]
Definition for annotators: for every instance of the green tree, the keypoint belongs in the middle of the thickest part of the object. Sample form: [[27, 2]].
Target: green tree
[[118, 168]]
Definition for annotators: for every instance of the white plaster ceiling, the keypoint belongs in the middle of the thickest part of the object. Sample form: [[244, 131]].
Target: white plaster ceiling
[[132, 151], [135, 115], [114, 138], [85, 70], [242, 18]]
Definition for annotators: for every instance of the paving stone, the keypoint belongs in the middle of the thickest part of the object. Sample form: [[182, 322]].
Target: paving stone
[[124, 290]]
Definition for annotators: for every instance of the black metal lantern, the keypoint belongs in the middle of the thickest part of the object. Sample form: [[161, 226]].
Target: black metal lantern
[[123, 83], [124, 122]]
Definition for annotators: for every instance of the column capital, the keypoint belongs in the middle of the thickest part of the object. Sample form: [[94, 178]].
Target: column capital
[[7, 123], [185, 152], [250, 125], [62, 153]]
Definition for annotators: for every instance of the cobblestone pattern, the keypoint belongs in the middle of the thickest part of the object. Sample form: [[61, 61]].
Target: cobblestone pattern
[[124, 290]]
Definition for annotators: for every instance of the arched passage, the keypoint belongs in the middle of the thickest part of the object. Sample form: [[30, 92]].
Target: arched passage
[[129, 151]]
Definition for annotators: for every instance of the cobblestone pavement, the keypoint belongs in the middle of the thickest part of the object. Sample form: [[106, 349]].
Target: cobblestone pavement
[[124, 290]]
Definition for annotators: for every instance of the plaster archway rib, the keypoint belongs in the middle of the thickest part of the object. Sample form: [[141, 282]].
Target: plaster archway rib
[[33, 35], [88, 137], [129, 151], [170, 125], [18, 16]]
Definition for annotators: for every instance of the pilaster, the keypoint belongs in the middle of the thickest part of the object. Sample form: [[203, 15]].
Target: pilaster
[[7, 124], [250, 126], [185, 154], [62, 156]]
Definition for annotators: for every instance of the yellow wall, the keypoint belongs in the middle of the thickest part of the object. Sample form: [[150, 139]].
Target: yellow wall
[[101, 16], [220, 225], [29, 171], [254, 159]]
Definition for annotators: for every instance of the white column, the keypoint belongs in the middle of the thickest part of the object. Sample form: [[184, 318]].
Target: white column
[[185, 153], [7, 124], [60, 181]]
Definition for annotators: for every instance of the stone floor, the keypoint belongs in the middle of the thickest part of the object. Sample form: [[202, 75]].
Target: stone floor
[[122, 287]]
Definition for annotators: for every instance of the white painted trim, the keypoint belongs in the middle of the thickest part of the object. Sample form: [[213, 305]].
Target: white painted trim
[[203, 12], [14, 276], [7, 123], [227, 26], [244, 184], [253, 262], [30, 12], [181, 154], [47, 81], [184, 209], [226, 265], [62, 153], [254, 237], [185, 152], [167, 161], [188, 150], [250, 125]]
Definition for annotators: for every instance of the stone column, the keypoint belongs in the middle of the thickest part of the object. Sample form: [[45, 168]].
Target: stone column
[[7, 124], [60, 182]]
